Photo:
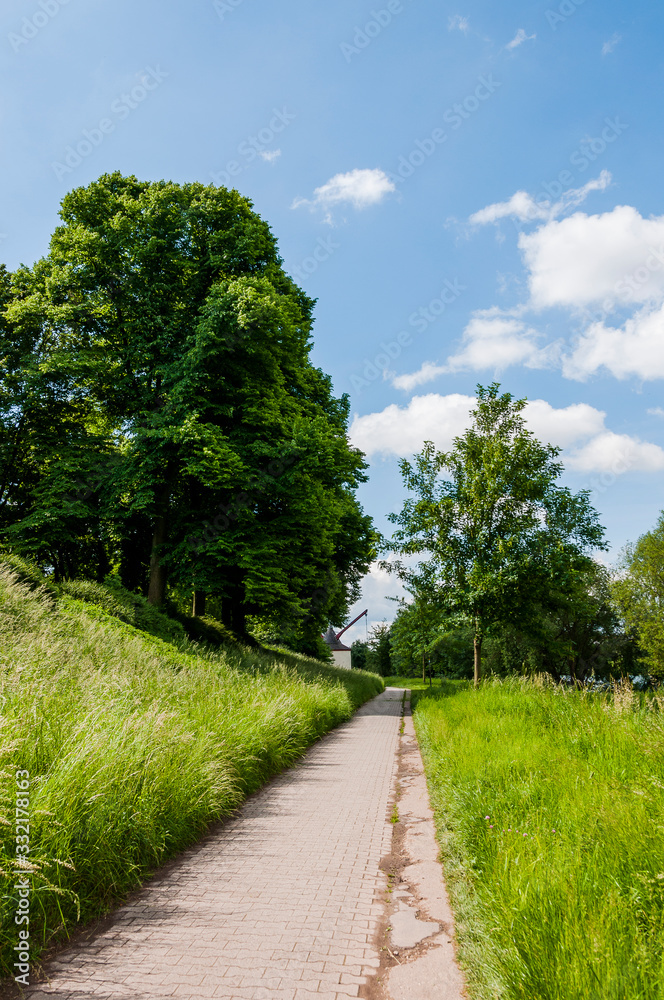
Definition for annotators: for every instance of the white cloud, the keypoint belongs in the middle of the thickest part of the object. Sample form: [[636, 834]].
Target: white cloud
[[378, 586], [578, 428], [494, 341], [656, 411], [565, 426], [270, 155], [592, 266], [458, 23], [610, 258], [427, 373], [520, 206], [399, 430], [359, 188], [617, 453], [635, 349], [519, 38], [609, 46], [523, 206]]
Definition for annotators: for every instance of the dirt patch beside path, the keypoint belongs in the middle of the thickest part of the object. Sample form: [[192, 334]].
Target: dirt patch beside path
[[416, 937]]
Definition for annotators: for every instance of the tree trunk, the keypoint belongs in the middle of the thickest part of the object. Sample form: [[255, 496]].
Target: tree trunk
[[135, 553], [198, 609], [57, 566], [157, 587], [424, 669], [576, 680], [233, 606], [234, 616], [103, 562], [157, 584], [477, 651]]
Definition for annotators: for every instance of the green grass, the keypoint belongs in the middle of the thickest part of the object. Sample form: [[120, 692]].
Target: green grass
[[134, 743], [559, 893], [414, 683]]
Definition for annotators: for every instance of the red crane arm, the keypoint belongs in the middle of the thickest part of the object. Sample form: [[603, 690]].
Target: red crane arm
[[339, 634]]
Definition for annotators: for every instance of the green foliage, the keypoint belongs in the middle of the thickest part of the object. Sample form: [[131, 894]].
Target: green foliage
[[452, 654], [131, 608], [28, 573], [413, 633], [291, 633], [375, 655], [578, 633], [502, 538], [206, 629], [425, 638], [550, 808], [359, 655], [415, 684], [160, 414], [639, 594], [379, 657], [134, 745]]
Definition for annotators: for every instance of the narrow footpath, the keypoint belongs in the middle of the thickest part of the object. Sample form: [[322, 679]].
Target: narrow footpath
[[282, 902]]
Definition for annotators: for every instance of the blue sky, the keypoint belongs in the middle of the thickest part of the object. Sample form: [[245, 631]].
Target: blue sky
[[471, 191]]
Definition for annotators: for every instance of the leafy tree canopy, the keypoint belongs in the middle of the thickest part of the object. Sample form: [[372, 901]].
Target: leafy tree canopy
[[501, 535], [159, 413], [639, 593]]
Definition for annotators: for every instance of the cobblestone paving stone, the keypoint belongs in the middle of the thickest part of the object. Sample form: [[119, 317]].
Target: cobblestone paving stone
[[282, 903]]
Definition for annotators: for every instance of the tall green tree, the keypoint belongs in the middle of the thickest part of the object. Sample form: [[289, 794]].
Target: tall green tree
[[575, 630], [500, 532], [191, 439], [359, 654], [418, 626], [52, 443], [638, 589], [379, 659]]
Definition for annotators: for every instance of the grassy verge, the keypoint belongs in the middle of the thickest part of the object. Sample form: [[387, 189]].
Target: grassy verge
[[415, 683], [550, 813], [134, 744]]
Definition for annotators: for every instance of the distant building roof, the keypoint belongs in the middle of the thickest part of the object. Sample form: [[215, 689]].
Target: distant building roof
[[330, 638]]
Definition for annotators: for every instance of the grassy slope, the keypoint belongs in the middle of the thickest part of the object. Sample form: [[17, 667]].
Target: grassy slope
[[575, 914], [134, 745]]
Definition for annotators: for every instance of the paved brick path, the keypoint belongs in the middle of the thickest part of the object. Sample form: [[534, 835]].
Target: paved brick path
[[280, 904]]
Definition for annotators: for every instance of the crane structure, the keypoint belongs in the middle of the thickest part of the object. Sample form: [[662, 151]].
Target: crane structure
[[339, 634], [340, 652]]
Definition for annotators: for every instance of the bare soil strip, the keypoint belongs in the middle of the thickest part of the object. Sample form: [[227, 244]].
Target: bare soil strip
[[416, 938]]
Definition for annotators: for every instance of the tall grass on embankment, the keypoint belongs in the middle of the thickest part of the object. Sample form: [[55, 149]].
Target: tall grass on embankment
[[134, 745], [550, 812]]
